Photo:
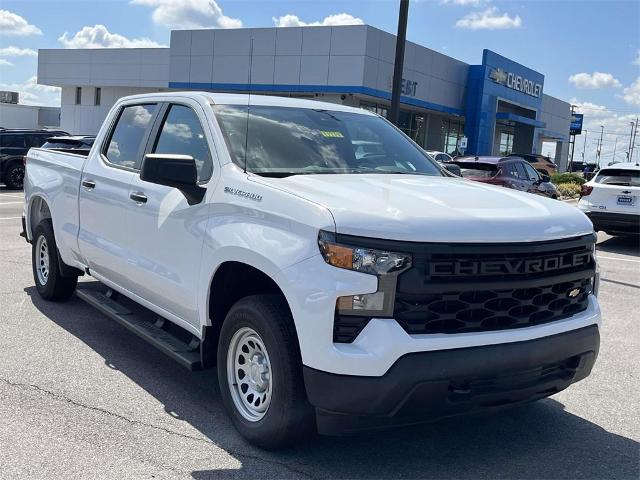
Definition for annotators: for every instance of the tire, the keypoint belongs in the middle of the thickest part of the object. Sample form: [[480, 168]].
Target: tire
[[265, 321], [50, 283], [14, 176]]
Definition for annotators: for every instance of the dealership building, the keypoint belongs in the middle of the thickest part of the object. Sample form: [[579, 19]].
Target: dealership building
[[499, 105]]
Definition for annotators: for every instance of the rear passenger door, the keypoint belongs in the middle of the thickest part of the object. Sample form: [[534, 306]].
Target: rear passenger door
[[104, 194], [166, 233], [517, 175]]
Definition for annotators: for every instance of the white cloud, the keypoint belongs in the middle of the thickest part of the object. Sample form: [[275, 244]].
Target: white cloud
[[594, 80], [631, 94], [189, 14], [5, 63], [332, 20], [12, 51], [617, 127], [99, 36], [15, 25], [31, 93], [489, 19], [637, 59]]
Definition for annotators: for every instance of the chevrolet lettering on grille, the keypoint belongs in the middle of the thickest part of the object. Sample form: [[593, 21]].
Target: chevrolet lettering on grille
[[508, 267]]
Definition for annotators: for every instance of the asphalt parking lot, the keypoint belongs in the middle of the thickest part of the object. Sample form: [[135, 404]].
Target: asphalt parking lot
[[80, 397]]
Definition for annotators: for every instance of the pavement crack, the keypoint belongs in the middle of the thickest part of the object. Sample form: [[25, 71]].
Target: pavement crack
[[237, 454]]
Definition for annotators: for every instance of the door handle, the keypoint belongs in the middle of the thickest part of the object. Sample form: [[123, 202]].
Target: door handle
[[88, 184], [138, 197]]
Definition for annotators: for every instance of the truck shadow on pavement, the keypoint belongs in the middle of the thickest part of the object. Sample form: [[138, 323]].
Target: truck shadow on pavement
[[539, 440], [621, 245]]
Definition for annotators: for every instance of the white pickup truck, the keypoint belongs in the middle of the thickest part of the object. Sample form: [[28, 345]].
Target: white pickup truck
[[336, 289]]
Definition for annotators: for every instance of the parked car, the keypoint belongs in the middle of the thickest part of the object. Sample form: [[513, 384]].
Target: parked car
[[510, 172], [441, 157], [14, 145], [539, 162], [70, 143], [331, 292], [611, 199]]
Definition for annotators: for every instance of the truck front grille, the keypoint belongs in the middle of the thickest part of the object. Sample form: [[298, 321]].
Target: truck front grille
[[459, 288]]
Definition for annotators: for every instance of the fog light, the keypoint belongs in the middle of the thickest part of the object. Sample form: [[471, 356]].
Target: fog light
[[360, 304]]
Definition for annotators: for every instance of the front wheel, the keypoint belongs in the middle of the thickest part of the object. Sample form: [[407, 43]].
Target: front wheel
[[260, 373], [50, 283]]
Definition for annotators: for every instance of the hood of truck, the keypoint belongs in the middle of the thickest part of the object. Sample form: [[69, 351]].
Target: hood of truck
[[435, 209]]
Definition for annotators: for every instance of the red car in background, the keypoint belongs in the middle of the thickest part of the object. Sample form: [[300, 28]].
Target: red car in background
[[509, 172]]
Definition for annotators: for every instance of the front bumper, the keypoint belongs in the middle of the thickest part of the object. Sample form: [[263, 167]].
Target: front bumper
[[623, 223], [427, 386]]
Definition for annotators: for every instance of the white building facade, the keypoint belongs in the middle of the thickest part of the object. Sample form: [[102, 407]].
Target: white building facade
[[499, 105]]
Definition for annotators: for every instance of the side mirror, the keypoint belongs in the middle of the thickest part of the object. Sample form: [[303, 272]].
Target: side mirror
[[452, 168], [544, 178], [173, 170]]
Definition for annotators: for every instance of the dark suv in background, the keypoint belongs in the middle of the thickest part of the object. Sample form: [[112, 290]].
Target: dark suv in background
[[14, 144], [510, 172], [539, 162]]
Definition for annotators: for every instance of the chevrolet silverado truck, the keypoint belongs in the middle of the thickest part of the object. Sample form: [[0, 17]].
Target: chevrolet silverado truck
[[336, 289]]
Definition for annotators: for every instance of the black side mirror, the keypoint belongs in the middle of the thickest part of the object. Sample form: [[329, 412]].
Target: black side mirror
[[173, 170], [452, 168], [544, 178]]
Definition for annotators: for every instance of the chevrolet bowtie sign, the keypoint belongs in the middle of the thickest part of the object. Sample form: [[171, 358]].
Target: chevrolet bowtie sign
[[515, 82]]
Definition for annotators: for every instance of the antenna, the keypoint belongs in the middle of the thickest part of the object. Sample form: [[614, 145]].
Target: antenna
[[246, 137]]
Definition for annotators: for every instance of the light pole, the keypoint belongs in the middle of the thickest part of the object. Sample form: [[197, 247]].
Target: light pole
[[584, 145], [600, 145], [394, 113], [630, 141], [633, 141], [615, 146]]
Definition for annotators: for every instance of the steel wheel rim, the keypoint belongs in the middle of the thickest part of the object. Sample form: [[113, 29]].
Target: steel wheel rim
[[42, 260], [249, 374]]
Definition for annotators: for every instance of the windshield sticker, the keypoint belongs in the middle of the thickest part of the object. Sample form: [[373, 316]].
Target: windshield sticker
[[330, 134]]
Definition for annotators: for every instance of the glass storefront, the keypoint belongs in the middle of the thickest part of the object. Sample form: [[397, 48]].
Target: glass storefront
[[452, 131], [506, 143], [411, 123]]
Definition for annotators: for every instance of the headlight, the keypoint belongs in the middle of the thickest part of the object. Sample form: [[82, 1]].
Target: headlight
[[384, 264], [365, 260]]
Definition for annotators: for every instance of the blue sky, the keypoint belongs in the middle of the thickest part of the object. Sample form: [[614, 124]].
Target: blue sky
[[589, 51]]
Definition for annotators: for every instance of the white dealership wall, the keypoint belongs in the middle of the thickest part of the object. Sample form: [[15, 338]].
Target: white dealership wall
[[345, 64], [28, 116]]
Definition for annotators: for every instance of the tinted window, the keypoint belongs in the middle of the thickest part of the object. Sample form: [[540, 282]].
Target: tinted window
[[182, 134], [37, 140], [533, 174], [522, 173], [509, 169], [619, 176], [477, 170], [12, 141], [290, 141], [124, 146]]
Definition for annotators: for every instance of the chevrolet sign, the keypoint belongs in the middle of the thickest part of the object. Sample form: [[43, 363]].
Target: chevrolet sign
[[515, 82]]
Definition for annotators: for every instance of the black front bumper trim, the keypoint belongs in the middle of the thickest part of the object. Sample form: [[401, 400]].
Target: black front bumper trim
[[427, 386]]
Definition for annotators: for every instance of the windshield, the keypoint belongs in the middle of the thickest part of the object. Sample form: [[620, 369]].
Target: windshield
[[290, 141], [477, 170], [619, 176]]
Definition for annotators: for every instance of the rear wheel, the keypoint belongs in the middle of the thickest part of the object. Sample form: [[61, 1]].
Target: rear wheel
[[50, 283], [260, 373], [14, 176]]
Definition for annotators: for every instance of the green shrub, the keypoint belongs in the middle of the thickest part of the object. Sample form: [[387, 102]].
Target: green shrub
[[568, 190], [560, 178]]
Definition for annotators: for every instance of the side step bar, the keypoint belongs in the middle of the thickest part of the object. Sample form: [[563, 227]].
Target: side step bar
[[187, 354]]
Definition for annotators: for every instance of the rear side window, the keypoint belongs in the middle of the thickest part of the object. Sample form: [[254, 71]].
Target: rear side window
[[123, 148], [619, 176], [12, 141], [182, 134], [37, 140]]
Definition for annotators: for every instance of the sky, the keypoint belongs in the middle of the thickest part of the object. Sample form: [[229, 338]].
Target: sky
[[589, 51]]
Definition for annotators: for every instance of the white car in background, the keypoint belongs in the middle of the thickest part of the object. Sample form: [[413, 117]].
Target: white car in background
[[441, 157], [611, 199]]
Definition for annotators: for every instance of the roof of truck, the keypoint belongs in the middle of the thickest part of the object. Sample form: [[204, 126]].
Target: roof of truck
[[256, 99]]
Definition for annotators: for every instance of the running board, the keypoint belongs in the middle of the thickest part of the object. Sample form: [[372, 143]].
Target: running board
[[186, 354]]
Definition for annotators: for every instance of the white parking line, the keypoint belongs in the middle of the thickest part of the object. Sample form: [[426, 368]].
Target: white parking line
[[10, 218], [11, 203], [621, 259]]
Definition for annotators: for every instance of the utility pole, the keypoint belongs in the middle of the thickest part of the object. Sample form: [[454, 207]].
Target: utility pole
[[615, 146], [394, 113], [630, 141], [600, 145], [633, 141], [584, 146]]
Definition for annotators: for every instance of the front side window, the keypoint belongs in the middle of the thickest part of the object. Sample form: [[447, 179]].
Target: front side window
[[284, 141], [12, 141], [533, 174], [182, 134], [619, 176], [522, 173], [126, 139]]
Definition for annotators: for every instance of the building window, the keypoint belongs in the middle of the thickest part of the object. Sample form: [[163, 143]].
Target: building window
[[78, 95], [506, 143], [98, 96], [452, 131]]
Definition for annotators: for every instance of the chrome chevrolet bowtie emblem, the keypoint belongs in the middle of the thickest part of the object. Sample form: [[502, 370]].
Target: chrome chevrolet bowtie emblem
[[574, 293], [498, 75]]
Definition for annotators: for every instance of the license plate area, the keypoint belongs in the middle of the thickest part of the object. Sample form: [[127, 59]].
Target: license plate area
[[626, 200]]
